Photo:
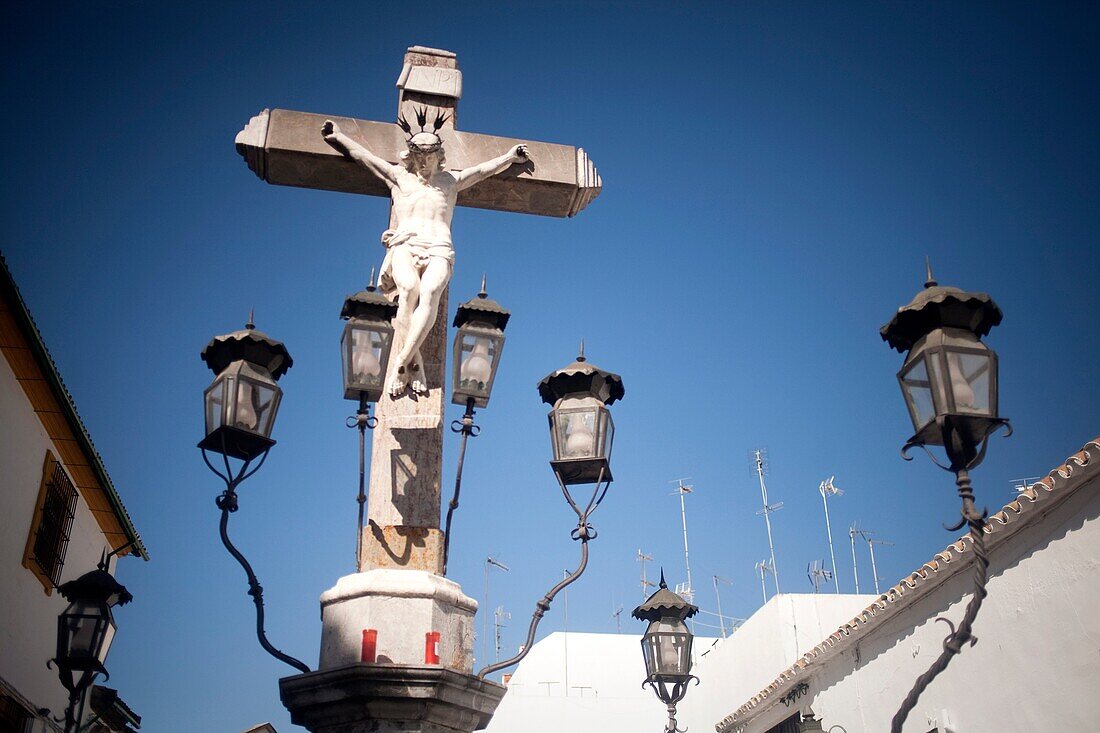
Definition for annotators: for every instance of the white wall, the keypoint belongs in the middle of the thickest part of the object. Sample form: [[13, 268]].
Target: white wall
[[28, 617], [1035, 668], [605, 693], [738, 667], [605, 671]]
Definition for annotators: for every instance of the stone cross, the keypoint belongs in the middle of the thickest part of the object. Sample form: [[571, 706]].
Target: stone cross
[[286, 148]]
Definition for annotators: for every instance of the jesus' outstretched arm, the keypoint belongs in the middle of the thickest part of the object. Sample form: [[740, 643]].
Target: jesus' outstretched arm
[[361, 155], [477, 173]]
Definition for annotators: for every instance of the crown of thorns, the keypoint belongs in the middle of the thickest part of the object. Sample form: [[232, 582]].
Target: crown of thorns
[[422, 120]]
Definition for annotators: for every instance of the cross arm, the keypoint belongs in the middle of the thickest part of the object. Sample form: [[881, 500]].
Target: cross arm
[[285, 148]]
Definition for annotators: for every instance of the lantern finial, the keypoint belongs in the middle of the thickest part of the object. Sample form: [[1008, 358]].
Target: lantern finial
[[580, 355], [930, 282], [483, 293], [251, 325], [370, 284], [663, 584]]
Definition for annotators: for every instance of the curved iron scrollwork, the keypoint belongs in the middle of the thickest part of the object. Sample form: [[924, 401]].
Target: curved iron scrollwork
[[671, 697], [227, 503], [801, 689], [362, 420], [467, 429], [965, 448], [583, 532]]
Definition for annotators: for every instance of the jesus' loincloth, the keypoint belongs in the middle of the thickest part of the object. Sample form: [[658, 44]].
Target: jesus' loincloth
[[422, 250]]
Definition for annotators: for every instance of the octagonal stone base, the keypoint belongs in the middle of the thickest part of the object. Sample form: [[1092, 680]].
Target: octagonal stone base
[[402, 606], [389, 698]]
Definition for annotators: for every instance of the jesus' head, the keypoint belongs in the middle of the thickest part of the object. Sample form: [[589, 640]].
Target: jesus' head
[[425, 154]]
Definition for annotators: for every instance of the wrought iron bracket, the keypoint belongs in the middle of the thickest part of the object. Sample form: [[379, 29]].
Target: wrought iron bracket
[[584, 533], [227, 503], [468, 429]]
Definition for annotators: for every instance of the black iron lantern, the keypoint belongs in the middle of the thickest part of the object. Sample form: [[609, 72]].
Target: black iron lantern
[[85, 630], [243, 399], [366, 342], [581, 429], [666, 646], [477, 347], [949, 381], [949, 378]]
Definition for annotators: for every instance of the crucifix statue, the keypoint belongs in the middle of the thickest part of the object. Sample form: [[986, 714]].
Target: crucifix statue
[[406, 165], [398, 611], [419, 253], [399, 598]]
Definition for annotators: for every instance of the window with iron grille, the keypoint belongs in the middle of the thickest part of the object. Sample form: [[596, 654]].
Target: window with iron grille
[[13, 716], [53, 521]]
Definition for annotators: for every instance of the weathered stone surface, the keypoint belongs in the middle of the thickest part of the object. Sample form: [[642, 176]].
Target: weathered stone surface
[[402, 548], [402, 606], [407, 444], [286, 148], [385, 698]]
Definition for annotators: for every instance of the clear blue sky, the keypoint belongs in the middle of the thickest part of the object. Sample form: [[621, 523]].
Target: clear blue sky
[[774, 175]]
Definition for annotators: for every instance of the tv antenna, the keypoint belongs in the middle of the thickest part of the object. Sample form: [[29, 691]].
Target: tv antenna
[[646, 585], [718, 597], [499, 616], [759, 458], [827, 489], [490, 562], [852, 532], [684, 590], [874, 571], [817, 574], [1020, 485], [617, 615], [764, 567]]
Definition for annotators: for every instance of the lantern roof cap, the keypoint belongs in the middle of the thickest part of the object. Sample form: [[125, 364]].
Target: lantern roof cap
[[97, 585], [940, 306], [581, 376], [251, 345], [482, 308], [368, 302], [664, 603]]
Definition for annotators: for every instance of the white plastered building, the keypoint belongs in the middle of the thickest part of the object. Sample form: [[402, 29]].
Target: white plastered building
[[59, 516], [846, 662]]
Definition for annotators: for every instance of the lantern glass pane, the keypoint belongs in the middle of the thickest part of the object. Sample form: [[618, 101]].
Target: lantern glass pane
[[918, 393], [607, 433], [254, 406], [971, 382], [215, 405], [108, 638], [667, 649], [477, 362], [81, 625], [363, 355], [578, 433]]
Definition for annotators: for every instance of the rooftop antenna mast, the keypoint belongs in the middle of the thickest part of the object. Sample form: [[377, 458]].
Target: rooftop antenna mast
[[759, 458], [818, 574], [685, 590], [874, 571], [1020, 485], [499, 616], [763, 567], [617, 615], [646, 585], [827, 489], [852, 532], [490, 562], [718, 597]]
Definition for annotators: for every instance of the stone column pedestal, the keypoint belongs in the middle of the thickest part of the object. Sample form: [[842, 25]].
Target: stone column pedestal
[[402, 607], [389, 698]]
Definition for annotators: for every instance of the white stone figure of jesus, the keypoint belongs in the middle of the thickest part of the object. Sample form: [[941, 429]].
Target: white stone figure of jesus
[[419, 254]]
